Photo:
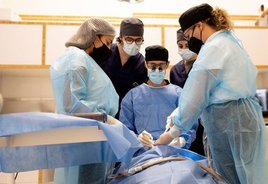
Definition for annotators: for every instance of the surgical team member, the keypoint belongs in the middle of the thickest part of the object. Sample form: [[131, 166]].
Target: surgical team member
[[125, 67], [221, 88], [145, 108], [81, 86], [179, 74]]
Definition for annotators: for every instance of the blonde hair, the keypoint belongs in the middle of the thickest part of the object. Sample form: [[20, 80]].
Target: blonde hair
[[220, 20]]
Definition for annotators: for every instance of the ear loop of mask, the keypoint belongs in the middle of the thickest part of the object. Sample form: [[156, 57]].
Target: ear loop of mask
[[193, 31], [201, 35], [99, 39]]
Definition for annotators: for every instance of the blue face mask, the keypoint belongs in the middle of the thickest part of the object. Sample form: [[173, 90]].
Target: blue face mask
[[156, 76]]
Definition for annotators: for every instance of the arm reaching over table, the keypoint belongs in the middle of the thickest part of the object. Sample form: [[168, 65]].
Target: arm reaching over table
[[167, 137]]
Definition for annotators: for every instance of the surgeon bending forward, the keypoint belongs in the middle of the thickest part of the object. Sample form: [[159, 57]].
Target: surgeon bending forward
[[81, 86], [221, 88]]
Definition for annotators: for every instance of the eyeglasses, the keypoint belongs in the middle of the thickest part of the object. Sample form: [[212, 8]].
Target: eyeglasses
[[138, 41], [187, 37], [154, 66]]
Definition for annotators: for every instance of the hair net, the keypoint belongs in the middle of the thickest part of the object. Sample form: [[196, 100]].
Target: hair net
[[180, 35], [194, 15], [86, 33], [156, 53], [131, 27]]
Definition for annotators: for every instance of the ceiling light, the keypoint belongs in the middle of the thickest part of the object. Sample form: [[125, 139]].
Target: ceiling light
[[131, 1]]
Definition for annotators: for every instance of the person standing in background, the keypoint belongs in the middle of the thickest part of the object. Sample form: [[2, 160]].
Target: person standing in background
[[126, 67], [81, 86], [179, 74]]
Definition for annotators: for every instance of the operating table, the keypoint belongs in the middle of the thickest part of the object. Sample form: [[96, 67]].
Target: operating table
[[34, 141]]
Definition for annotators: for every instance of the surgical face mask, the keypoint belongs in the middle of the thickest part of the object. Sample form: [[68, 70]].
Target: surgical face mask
[[131, 49], [194, 43], [186, 54], [156, 76], [101, 54]]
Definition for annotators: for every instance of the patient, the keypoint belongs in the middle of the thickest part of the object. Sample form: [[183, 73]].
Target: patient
[[166, 164], [145, 108]]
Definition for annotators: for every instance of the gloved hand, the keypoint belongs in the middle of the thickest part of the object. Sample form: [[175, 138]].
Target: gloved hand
[[169, 122], [146, 138], [111, 120], [164, 139], [178, 142], [167, 137]]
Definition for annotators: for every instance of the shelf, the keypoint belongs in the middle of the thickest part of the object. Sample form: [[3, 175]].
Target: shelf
[[24, 72]]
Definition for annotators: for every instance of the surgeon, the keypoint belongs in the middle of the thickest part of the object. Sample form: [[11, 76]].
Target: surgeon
[[145, 108], [179, 74], [221, 88], [81, 86], [125, 67]]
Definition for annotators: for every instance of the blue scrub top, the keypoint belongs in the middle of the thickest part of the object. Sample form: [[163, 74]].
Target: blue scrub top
[[147, 108]]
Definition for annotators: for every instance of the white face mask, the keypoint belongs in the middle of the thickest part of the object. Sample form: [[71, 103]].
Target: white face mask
[[131, 49], [156, 76], [186, 54]]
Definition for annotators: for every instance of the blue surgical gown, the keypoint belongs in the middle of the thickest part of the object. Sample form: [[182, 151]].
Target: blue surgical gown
[[81, 86], [178, 76], [221, 88], [147, 108]]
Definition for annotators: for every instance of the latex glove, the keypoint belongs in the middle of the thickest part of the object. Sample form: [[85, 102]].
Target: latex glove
[[169, 122], [111, 120], [167, 137], [164, 139], [178, 142], [146, 138]]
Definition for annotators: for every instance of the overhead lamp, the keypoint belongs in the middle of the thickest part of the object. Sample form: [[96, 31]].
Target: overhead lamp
[[131, 1]]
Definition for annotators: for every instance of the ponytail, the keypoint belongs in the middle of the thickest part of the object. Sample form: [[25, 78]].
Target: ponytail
[[220, 20]]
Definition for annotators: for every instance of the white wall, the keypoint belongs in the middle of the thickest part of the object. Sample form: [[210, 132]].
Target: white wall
[[38, 96], [122, 9]]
